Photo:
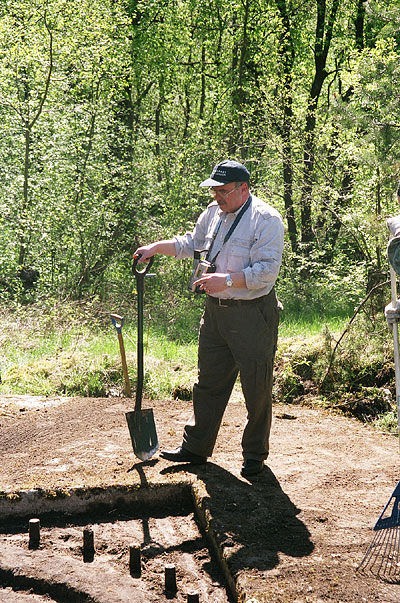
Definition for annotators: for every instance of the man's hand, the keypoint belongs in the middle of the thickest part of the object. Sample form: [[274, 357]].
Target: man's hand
[[212, 283], [392, 313], [143, 254], [216, 281], [147, 251]]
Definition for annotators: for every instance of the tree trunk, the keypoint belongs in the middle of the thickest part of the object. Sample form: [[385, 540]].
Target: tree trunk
[[28, 124], [286, 50], [203, 82], [22, 246], [332, 228], [323, 38], [238, 94]]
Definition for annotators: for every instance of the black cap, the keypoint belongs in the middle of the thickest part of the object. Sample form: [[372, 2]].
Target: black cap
[[227, 171]]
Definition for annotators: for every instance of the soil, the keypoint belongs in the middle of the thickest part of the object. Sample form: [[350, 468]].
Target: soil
[[296, 533]]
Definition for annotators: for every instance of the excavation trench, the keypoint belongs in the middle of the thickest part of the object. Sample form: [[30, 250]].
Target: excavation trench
[[296, 532], [149, 544]]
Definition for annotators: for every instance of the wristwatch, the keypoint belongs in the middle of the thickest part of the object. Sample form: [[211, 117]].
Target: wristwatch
[[229, 281]]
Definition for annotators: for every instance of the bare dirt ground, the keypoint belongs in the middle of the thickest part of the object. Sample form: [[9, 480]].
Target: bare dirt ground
[[294, 534]]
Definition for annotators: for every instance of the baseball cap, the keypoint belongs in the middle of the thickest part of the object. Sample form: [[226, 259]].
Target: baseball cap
[[227, 171]]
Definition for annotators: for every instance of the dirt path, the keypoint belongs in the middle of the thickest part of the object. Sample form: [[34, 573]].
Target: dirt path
[[294, 534]]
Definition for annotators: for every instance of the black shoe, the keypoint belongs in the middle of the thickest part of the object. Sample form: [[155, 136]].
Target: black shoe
[[181, 455], [251, 467]]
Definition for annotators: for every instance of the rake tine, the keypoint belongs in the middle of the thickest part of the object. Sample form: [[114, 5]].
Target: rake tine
[[395, 558], [387, 554], [382, 557], [390, 565], [368, 555]]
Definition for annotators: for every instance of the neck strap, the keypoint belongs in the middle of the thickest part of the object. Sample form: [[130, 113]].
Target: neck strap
[[230, 231]]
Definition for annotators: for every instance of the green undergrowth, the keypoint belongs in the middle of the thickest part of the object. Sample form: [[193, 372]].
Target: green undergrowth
[[75, 351], [72, 350], [356, 379]]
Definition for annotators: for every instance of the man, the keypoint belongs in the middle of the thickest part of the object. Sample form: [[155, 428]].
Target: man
[[239, 327]]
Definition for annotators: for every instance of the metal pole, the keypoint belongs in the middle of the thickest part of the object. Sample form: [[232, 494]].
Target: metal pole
[[393, 284]]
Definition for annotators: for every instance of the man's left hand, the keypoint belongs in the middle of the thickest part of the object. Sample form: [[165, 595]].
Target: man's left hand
[[212, 283]]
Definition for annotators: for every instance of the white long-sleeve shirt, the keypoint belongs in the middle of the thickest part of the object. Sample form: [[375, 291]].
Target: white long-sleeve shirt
[[255, 246]]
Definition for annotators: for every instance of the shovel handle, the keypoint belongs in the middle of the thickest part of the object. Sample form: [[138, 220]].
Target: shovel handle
[[140, 276], [137, 272], [128, 391], [118, 322]]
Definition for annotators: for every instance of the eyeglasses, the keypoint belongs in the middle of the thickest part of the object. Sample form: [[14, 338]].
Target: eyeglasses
[[223, 194]]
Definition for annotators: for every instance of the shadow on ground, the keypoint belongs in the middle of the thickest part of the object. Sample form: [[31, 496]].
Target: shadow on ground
[[255, 519]]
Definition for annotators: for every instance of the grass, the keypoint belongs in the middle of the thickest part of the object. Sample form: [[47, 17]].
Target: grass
[[310, 323], [74, 355], [72, 350]]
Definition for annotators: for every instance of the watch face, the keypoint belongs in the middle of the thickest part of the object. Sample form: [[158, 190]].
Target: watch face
[[229, 282]]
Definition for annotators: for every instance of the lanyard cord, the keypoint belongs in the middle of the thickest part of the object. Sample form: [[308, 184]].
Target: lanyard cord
[[230, 231]]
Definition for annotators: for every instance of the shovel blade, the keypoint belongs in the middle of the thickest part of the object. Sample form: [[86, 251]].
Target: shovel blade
[[143, 433]]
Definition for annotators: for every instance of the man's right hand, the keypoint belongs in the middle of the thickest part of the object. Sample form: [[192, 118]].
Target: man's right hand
[[143, 254], [147, 251]]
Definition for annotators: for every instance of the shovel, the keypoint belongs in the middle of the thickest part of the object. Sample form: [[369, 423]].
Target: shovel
[[141, 424]]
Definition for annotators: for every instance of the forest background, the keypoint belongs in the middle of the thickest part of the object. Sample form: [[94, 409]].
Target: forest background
[[113, 111]]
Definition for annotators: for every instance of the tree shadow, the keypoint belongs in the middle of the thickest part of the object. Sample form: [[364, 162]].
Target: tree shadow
[[254, 521]]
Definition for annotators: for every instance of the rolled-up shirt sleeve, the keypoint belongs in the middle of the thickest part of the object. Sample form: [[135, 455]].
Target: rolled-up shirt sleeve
[[196, 239], [265, 253], [184, 246], [394, 254]]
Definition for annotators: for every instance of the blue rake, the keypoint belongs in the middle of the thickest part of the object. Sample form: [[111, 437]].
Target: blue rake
[[382, 558]]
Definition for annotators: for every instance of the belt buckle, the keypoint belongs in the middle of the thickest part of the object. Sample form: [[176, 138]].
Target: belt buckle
[[223, 302]]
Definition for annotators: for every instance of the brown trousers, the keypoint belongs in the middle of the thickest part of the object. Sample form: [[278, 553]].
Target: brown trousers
[[235, 339]]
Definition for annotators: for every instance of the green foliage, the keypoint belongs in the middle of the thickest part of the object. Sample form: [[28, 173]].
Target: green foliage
[[107, 129], [72, 349], [112, 112], [288, 386], [387, 422], [357, 381]]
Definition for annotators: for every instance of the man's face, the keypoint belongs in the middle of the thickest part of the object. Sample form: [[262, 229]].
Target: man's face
[[230, 196]]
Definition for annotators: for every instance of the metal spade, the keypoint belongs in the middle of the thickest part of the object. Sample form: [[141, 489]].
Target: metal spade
[[140, 421]]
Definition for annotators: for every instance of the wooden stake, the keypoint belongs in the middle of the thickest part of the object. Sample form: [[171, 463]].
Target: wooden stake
[[192, 598], [170, 579], [34, 533], [88, 545], [135, 563]]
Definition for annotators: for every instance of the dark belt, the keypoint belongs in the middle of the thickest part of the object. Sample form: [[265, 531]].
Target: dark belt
[[218, 301]]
